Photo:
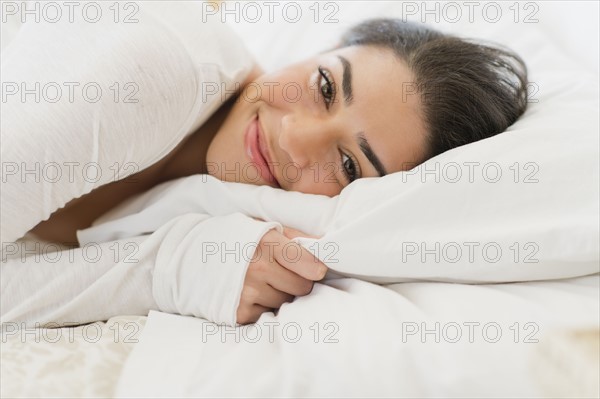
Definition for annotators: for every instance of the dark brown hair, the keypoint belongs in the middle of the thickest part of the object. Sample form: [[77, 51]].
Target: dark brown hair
[[470, 91]]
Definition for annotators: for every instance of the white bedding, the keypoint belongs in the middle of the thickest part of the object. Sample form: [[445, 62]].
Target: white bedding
[[370, 358], [365, 351], [84, 361], [367, 346]]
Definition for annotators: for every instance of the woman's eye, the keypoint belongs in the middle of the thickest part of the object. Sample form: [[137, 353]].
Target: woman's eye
[[326, 87], [349, 167]]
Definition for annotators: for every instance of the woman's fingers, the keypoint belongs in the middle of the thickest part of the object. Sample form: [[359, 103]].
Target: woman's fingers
[[299, 260], [279, 271], [273, 298], [261, 293], [250, 313], [288, 282], [293, 256]]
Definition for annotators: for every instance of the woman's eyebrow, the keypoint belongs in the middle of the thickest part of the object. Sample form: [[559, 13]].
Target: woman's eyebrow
[[363, 143], [347, 80]]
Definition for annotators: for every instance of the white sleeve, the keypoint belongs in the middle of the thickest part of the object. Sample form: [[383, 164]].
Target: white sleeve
[[193, 265]]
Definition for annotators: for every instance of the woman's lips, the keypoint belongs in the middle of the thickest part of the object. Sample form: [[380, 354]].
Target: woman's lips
[[257, 151]]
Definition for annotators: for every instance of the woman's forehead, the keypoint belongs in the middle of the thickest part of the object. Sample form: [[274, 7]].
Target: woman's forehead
[[386, 105]]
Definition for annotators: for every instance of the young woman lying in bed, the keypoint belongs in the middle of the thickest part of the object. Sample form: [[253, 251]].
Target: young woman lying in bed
[[389, 97]]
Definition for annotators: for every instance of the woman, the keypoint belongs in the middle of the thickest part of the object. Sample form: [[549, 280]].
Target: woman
[[390, 96]]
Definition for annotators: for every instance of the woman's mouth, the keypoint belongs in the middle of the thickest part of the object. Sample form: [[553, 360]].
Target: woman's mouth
[[257, 151]]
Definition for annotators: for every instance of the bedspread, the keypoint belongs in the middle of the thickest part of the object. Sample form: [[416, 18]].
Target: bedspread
[[82, 361], [357, 339]]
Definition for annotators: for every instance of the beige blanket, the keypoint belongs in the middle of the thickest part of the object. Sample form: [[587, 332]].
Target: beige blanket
[[83, 361]]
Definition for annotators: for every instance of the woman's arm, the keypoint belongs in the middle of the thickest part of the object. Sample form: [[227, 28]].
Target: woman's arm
[[75, 286], [228, 269], [192, 265]]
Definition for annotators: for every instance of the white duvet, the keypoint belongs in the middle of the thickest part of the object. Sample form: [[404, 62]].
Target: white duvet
[[356, 339]]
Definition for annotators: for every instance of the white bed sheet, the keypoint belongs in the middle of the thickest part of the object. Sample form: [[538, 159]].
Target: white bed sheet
[[378, 352]]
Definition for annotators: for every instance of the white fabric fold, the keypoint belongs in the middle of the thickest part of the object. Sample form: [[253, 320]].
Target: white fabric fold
[[206, 194], [202, 263]]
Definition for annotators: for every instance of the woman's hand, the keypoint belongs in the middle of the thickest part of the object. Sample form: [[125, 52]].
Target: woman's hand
[[279, 271]]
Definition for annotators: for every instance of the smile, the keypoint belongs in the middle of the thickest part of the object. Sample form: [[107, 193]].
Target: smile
[[256, 150]]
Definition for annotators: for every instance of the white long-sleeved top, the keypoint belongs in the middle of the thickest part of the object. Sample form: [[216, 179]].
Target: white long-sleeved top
[[85, 104], [56, 150]]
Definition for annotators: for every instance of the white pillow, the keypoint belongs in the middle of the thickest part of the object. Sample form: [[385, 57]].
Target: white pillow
[[61, 145]]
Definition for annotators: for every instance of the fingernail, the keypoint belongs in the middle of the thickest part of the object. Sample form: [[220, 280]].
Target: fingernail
[[322, 271]]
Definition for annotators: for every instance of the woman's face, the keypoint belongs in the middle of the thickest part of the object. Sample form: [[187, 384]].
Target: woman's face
[[317, 125]]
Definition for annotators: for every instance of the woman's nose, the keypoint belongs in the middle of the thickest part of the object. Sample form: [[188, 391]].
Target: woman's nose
[[305, 139]]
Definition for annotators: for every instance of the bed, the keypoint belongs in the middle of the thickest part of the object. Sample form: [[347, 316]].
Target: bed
[[351, 338], [360, 336]]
